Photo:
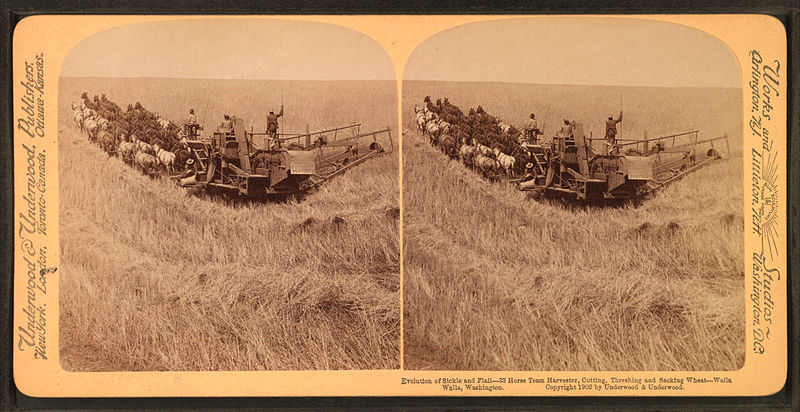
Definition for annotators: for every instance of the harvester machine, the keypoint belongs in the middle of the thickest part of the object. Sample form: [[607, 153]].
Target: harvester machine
[[627, 169], [237, 162]]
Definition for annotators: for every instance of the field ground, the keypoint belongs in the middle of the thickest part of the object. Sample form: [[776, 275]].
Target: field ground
[[496, 281], [152, 278]]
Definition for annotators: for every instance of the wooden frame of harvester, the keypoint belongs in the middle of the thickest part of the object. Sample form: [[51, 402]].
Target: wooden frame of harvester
[[628, 169], [232, 162]]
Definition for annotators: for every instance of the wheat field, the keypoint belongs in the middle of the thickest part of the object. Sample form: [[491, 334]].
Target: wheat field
[[153, 278], [496, 281]]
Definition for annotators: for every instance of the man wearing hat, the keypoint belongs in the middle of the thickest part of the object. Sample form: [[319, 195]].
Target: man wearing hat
[[611, 129], [272, 123], [566, 129], [226, 122], [190, 168], [191, 124], [532, 129], [530, 172]]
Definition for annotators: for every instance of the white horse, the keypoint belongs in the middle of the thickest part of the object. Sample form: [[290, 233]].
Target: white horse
[[78, 117], [421, 123], [127, 150], [91, 127], [165, 158], [468, 153], [487, 165], [485, 150], [146, 162], [433, 131], [145, 147], [506, 161]]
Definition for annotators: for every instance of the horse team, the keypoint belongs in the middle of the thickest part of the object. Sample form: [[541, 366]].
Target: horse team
[[489, 161], [118, 136]]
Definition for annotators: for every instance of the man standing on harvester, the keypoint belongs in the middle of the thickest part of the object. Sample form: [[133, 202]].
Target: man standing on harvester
[[611, 129], [531, 130], [272, 127], [191, 125]]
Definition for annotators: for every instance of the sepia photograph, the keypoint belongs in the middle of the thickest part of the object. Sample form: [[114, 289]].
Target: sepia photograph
[[572, 198], [455, 206], [228, 198]]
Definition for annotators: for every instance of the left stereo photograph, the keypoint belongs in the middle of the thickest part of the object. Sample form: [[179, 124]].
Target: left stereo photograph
[[228, 199]]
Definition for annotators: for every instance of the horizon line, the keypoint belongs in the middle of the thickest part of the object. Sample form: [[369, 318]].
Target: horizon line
[[573, 84], [224, 78], [410, 80]]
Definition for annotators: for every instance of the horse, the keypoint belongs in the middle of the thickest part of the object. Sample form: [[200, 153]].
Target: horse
[[78, 117], [486, 151], [505, 127], [181, 155], [102, 122], [504, 160], [448, 145], [522, 156], [421, 123], [107, 141], [127, 150], [91, 128], [165, 158], [146, 162], [468, 153], [433, 131], [444, 126], [487, 165], [146, 147]]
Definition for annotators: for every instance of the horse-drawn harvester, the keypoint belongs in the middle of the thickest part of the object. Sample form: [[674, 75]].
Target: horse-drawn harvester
[[568, 166], [628, 169], [243, 163]]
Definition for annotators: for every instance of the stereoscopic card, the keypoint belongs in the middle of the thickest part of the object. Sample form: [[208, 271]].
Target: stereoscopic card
[[370, 205]]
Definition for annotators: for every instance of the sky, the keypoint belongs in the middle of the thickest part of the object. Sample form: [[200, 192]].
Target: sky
[[570, 50], [230, 49]]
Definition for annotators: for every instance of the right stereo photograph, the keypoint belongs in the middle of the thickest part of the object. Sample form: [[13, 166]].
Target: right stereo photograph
[[572, 198]]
